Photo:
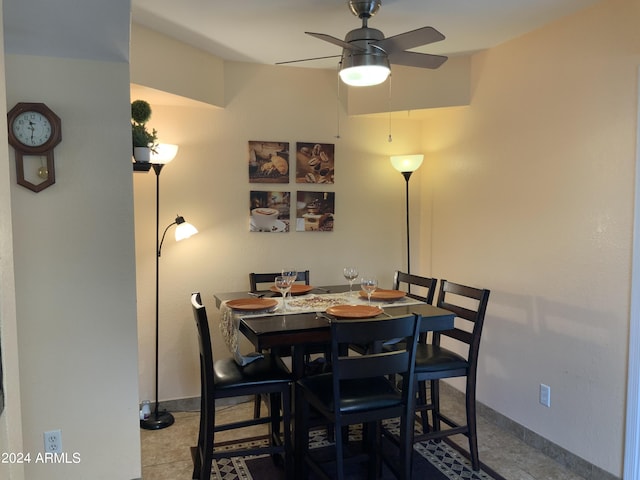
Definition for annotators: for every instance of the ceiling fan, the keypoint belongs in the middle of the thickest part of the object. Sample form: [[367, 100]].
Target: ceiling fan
[[366, 53]]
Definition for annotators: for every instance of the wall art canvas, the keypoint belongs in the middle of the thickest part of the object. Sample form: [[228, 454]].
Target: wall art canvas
[[268, 162], [315, 211], [269, 211], [315, 162]]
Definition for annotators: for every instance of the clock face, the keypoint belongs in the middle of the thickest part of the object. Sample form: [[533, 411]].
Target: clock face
[[31, 128]]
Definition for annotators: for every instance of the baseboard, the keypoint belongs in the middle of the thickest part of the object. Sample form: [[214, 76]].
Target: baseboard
[[564, 457], [193, 404]]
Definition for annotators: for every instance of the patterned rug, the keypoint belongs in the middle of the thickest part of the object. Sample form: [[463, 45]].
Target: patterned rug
[[433, 460]]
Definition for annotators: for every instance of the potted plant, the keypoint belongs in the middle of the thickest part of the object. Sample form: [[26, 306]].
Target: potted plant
[[144, 142]]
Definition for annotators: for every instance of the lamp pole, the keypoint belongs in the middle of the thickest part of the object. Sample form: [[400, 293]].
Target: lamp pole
[[157, 419], [407, 176], [160, 156], [406, 165]]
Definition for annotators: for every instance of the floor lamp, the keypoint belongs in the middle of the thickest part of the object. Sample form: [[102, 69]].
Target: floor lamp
[[157, 419], [407, 164]]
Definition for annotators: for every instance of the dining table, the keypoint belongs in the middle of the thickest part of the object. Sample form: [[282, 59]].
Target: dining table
[[303, 330], [307, 329]]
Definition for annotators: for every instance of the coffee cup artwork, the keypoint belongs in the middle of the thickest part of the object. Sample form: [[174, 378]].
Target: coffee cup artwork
[[265, 219], [269, 211]]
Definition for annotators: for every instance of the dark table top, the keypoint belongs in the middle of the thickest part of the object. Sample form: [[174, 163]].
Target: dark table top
[[271, 331]]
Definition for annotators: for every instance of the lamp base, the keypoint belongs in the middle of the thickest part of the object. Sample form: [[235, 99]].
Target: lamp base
[[156, 422]]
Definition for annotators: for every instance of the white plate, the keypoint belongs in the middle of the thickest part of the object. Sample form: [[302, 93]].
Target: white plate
[[279, 226]]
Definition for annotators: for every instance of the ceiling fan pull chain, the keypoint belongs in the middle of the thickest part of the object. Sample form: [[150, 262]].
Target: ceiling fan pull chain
[[338, 104], [390, 139]]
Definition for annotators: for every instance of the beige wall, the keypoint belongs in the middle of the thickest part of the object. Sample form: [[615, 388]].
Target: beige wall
[[415, 89], [75, 274], [527, 191], [163, 64], [208, 184], [532, 190]]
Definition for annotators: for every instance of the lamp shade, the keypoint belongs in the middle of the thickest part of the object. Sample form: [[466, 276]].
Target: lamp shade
[[184, 229], [165, 152], [364, 69], [407, 163]]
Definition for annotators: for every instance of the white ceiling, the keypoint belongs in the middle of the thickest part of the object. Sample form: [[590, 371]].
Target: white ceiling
[[273, 31], [263, 31]]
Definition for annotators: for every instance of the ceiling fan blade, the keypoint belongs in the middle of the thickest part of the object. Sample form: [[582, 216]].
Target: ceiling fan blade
[[308, 59], [414, 59], [412, 39], [335, 41]]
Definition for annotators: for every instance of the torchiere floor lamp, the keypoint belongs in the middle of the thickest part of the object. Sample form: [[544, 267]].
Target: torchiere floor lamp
[[407, 164], [158, 419]]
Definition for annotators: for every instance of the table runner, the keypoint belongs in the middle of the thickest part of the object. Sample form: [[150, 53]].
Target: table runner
[[230, 319], [229, 322]]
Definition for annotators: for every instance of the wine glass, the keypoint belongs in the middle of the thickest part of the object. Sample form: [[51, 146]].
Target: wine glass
[[283, 285], [369, 285], [292, 275], [350, 273]]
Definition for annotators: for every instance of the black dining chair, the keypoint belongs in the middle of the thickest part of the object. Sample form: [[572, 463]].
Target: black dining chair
[[435, 361], [256, 279], [403, 281], [426, 286], [224, 378], [357, 391]]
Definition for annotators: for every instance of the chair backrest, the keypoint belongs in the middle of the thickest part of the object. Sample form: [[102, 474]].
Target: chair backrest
[[374, 362], [204, 343], [257, 278], [426, 283], [469, 305]]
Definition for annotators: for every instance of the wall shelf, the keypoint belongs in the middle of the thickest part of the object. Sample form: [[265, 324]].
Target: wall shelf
[[141, 167]]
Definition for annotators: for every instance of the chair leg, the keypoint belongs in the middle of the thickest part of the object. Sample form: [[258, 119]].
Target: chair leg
[[339, 452], [197, 463], [204, 451], [371, 437], [256, 406], [470, 397], [196, 452], [286, 425], [435, 402], [422, 402], [301, 447], [406, 445], [274, 412]]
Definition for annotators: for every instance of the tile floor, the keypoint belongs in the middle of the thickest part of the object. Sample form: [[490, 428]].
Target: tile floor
[[166, 453]]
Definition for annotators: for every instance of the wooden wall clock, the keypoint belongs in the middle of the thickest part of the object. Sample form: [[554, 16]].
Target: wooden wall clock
[[34, 131]]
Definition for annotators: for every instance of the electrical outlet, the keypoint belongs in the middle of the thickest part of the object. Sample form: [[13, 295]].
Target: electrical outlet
[[545, 395], [53, 441]]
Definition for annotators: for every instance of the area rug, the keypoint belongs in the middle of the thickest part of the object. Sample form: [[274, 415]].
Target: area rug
[[432, 460]]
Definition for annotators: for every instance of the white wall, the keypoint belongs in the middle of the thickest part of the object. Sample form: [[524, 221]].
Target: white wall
[[75, 273], [160, 62], [208, 184], [528, 192], [532, 189]]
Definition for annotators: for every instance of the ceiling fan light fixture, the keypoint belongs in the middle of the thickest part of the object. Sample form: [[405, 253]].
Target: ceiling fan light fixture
[[364, 70], [365, 75]]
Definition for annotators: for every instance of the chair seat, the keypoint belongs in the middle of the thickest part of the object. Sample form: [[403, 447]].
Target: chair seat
[[228, 374], [433, 358], [357, 395]]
